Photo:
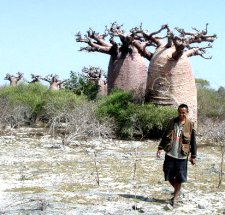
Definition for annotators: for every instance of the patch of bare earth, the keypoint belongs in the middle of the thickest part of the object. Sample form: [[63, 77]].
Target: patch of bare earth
[[40, 175]]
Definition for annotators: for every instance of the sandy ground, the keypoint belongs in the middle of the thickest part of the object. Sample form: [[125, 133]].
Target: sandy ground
[[39, 175]]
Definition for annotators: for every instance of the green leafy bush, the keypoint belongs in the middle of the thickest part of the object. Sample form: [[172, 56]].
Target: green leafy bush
[[81, 86], [56, 102], [211, 104], [36, 101], [134, 120], [28, 95]]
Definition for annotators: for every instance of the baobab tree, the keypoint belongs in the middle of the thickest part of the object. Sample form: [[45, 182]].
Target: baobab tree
[[53, 81], [14, 79], [35, 78], [61, 84], [170, 78], [127, 69], [95, 75]]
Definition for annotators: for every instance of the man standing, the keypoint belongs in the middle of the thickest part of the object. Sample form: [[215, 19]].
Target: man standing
[[178, 141]]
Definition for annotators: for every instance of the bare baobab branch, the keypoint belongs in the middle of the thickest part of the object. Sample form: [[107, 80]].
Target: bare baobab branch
[[92, 73], [61, 84], [149, 37], [193, 51], [183, 41], [100, 39], [95, 41], [198, 36], [142, 49], [53, 80], [35, 78], [116, 30], [142, 40]]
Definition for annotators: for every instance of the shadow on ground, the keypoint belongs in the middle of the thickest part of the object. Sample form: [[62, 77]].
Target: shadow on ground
[[142, 198]]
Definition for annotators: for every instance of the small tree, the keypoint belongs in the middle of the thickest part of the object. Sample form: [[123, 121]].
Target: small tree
[[82, 85], [35, 78], [218, 135], [214, 131], [53, 81], [14, 79]]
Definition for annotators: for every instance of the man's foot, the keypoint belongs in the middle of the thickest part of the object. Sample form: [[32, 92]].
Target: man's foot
[[175, 202]]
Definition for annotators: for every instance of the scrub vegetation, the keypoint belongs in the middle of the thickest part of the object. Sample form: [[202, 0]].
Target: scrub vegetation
[[36, 105]]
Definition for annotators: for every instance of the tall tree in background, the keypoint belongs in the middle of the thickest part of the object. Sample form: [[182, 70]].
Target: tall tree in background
[[53, 81], [14, 79], [170, 78], [96, 76], [126, 69], [35, 78]]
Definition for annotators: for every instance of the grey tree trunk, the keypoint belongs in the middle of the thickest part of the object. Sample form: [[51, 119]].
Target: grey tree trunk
[[128, 71]]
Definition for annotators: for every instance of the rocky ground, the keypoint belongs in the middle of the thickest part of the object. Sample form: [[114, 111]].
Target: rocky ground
[[40, 175]]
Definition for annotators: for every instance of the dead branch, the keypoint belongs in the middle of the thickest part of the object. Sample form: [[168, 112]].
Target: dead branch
[[193, 51], [198, 36], [95, 41], [35, 78], [142, 40], [149, 37], [183, 41], [79, 123], [92, 73]]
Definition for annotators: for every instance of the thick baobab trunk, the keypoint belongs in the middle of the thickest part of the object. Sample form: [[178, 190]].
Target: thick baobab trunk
[[103, 89], [128, 72], [171, 82], [14, 79], [53, 81]]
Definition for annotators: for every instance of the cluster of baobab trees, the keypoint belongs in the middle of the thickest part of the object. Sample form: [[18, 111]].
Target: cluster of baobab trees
[[53, 80], [168, 79], [93, 74]]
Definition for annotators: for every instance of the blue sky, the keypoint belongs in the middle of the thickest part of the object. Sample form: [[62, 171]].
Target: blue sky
[[37, 36]]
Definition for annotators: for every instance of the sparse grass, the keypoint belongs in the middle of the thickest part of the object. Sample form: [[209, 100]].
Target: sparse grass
[[80, 199], [76, 187], [71, 177], [27, 190]]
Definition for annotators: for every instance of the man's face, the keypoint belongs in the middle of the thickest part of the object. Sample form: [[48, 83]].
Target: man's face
[[182, 113]]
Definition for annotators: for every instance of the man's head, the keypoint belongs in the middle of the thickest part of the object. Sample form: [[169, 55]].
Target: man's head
[[182, 111]]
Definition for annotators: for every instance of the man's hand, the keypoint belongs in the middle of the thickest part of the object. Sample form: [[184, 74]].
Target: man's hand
[[158, 153], [192, 160]]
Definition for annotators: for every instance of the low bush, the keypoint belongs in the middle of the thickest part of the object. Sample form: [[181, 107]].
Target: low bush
[[134, 120], [211, 104], [35, 102], [80, 85]]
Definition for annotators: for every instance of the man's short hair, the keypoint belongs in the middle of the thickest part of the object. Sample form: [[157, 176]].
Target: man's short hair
[[183, 106]]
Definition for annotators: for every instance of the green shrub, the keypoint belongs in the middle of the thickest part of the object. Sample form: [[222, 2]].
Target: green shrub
[[37, 101], [81, 86], [56, 102], [211, 104], [28, 95], [117, 101], [134, 120]]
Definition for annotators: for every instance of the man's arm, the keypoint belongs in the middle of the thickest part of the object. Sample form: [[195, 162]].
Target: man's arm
[[161, 143], [193, 147]]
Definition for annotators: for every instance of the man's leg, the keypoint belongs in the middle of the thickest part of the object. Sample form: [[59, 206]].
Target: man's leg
[[177, 187], [172, 182]]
